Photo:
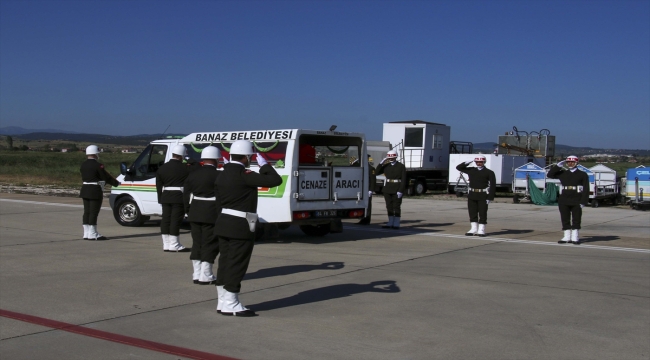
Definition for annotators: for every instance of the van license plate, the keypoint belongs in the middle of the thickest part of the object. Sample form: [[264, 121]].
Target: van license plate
[[325, 213]]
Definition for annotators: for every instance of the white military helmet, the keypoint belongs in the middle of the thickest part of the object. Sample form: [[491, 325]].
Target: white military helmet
[[572, 158], [479, 158], [92, 150], [242, 147], [392, 154], [178, 150], [210, 152]]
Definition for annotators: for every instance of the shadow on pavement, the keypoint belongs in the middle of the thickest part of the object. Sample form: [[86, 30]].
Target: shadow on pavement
[[328, 293], [509, 232], [599, 238], [292, 269]]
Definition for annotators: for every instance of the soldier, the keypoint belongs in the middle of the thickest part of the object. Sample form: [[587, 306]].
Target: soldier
[[393, 190], [94, 177], [236, 191], [574, 195], [372, 180], [482, 188], [169, 185], [202, 210]]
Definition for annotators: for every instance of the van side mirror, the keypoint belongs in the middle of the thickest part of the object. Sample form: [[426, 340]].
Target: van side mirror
[[124, 169]]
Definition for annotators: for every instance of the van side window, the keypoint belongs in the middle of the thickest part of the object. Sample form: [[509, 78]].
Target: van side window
[[149, 161]]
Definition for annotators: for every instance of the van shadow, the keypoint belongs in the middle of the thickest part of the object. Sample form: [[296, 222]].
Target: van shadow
[[509, 232], [598, 238], [328, 293], [351, 232], [292, 269]]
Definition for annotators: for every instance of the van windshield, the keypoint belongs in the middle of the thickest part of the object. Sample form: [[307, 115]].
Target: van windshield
[[319, 150], [274, 152]]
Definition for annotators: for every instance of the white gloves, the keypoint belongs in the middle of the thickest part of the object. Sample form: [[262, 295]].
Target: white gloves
[[383, 161], [561, 163], [260, 160], [469, 162], [581, 206], [487, 202], [399, 195], [369, 193], [225, 161]]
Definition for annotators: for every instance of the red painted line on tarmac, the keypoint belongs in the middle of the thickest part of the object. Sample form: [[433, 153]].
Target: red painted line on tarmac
[[104, 335]]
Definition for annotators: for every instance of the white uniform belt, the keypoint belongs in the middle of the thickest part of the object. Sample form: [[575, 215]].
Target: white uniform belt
[[91, 183], [393, 180], [577, 188], [478, 190], [204, 198], [237, 213], [172, 188]]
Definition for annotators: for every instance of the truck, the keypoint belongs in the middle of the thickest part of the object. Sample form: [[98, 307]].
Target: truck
[[423, 147], [320, 185]]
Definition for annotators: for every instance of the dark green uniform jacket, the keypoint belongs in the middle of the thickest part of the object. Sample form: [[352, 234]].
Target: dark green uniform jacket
[[236, 189], [480, 179], [92, 171], [173, 173], [571, 178], [200, 183], [397, 171]]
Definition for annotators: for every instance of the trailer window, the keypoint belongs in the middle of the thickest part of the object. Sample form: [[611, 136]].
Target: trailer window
[[437, 142], [319, 150], [413, 137]]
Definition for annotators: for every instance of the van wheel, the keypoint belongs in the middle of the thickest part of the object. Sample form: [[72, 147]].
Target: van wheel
[[315, 230], [127, 212]]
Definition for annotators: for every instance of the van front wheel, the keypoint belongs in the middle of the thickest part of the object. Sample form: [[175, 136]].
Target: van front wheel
[[315, 230], [127, 212]]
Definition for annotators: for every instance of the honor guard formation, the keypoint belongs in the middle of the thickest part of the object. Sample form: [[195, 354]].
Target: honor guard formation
[[221, 206]]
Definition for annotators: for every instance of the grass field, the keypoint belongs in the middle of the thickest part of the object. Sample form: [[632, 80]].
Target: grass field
[[62, 169], [50, 168]]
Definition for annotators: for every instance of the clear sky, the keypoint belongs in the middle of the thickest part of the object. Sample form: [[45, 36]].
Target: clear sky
[[578, 68]]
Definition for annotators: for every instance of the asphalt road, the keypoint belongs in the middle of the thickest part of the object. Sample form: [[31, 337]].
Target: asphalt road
[[422, 292]]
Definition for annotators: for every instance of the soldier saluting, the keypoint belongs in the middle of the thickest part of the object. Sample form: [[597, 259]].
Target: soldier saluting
[[482, 188], [574, 195], [170, 178], [202, 210], [94, 177], [236, 192], [393, 190]]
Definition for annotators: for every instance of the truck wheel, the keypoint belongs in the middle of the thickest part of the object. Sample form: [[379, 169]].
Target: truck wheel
[[459, 194], [515, 199], [451, 189], [594, 203], [127, 212], [420, 188], [315, 230]]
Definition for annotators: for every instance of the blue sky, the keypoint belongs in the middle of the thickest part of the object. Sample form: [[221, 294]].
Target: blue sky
[[578, 68]]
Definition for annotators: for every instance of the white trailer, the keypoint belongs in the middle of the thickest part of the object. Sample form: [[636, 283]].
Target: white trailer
[[502, 165], [423, 147], [319, 186], [606, 185]]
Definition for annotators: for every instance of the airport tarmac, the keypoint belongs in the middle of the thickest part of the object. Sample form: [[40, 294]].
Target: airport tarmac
[[424, 291]]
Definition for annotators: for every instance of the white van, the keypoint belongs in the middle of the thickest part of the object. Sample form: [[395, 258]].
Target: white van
[[321, 181]]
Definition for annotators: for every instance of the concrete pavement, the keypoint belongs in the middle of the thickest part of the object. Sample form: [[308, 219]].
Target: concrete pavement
[[422, 292]]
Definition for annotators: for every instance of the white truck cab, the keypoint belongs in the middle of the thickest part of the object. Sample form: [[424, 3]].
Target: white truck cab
[[321, 181]]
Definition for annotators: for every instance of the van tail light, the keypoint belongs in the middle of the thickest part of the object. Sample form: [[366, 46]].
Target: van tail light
[[356, 213], [298, 215]]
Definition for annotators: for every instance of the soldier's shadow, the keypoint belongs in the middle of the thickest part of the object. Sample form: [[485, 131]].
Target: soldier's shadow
[[599, 238], [509, 232], [292, 269], [328, 293]]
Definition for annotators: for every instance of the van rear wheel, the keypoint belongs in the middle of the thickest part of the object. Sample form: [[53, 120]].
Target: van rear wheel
[[127, 212], [315, 230]]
